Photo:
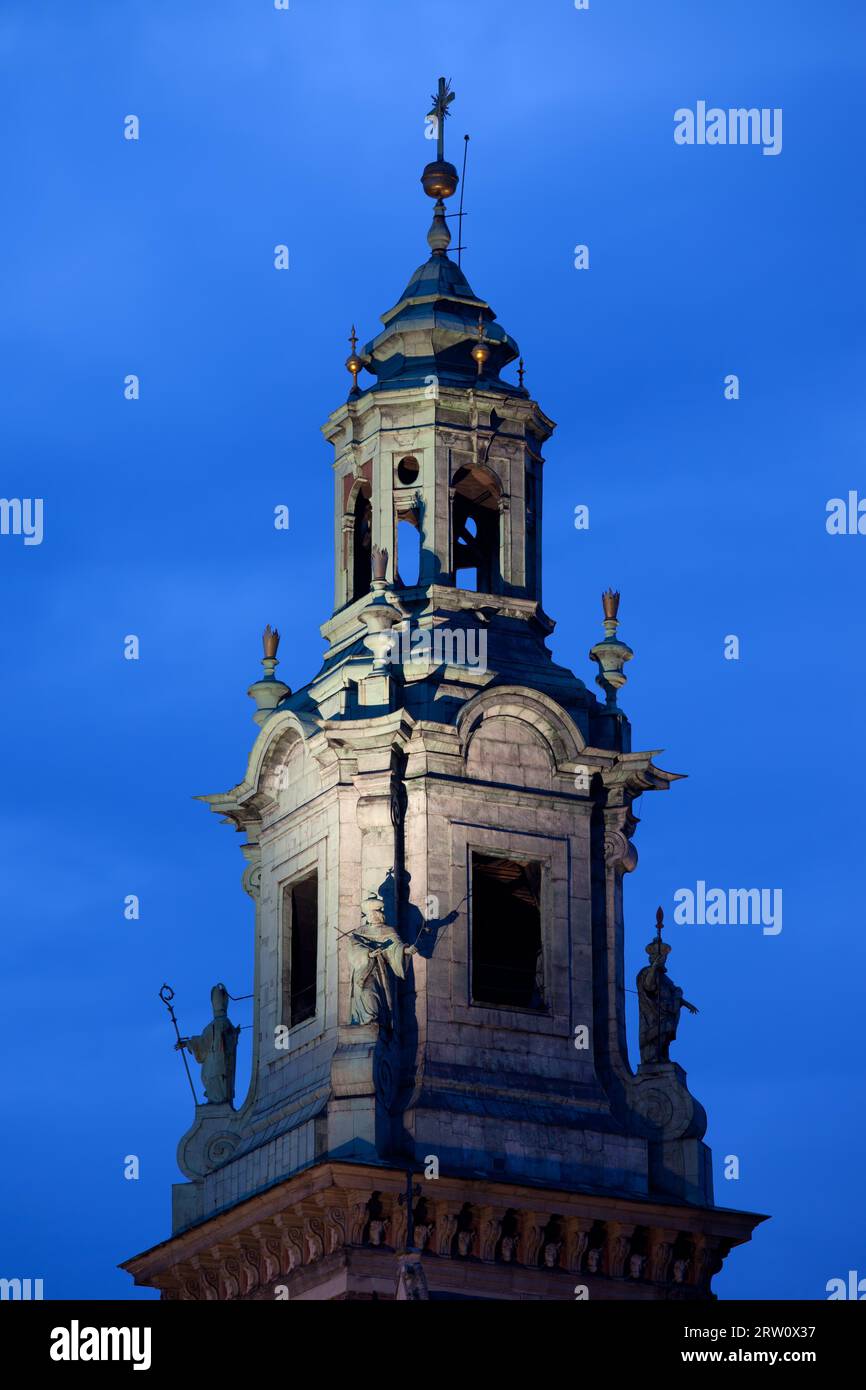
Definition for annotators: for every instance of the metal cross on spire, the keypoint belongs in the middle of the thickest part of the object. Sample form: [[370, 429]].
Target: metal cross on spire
[[439, 111]]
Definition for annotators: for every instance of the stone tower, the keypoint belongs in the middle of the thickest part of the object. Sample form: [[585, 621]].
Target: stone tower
[[436, 830]]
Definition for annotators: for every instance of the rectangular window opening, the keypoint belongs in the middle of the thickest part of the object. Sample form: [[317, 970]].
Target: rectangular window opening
[[300, 949], [507, 966]]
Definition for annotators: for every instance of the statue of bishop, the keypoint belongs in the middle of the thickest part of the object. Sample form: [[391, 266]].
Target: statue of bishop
[[376, 955], [215, 1048]]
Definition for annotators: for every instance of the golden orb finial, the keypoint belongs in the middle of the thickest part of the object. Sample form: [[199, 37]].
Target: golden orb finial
[[480, 351], [440, 178], [353, 361]]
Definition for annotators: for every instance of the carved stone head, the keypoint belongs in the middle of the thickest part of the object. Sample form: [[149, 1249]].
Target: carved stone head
[[373, 909], [377, 1232], [658, 951], [219, 998]]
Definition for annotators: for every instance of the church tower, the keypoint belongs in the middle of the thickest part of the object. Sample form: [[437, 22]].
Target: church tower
[[437, 828]]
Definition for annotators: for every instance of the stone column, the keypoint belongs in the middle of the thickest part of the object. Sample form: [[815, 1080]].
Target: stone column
[[365, 1067], [620, 858], [449, 531], [442, 522], [342, 582], [252, 884], [510, 561], [374, 813], [384, 531], [537, 531]]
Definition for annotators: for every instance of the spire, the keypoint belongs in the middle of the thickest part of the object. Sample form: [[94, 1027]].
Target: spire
[[440, 179], [440, 329]]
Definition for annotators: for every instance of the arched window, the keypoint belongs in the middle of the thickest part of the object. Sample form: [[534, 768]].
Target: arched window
[[475, 524], [362, 535], [408, 564]]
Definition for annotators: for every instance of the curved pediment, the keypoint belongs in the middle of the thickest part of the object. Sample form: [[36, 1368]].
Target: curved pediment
[[266, 777], [543, 715]]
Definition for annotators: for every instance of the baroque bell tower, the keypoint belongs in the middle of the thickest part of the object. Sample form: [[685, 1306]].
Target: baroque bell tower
[[437, 828]]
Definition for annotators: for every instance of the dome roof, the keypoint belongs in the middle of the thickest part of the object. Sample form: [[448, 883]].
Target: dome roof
[[432, 330]]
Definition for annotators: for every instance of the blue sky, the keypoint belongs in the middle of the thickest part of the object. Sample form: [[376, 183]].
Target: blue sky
[[155, 257]]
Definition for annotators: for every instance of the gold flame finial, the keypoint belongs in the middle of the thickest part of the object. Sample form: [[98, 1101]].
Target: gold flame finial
[[270, 641]]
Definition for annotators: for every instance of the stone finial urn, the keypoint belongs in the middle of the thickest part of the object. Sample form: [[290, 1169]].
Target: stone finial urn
[[611, 654], [268, 691]]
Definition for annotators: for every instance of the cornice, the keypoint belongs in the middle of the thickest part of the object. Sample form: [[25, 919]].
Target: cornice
[[333, 1207]]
